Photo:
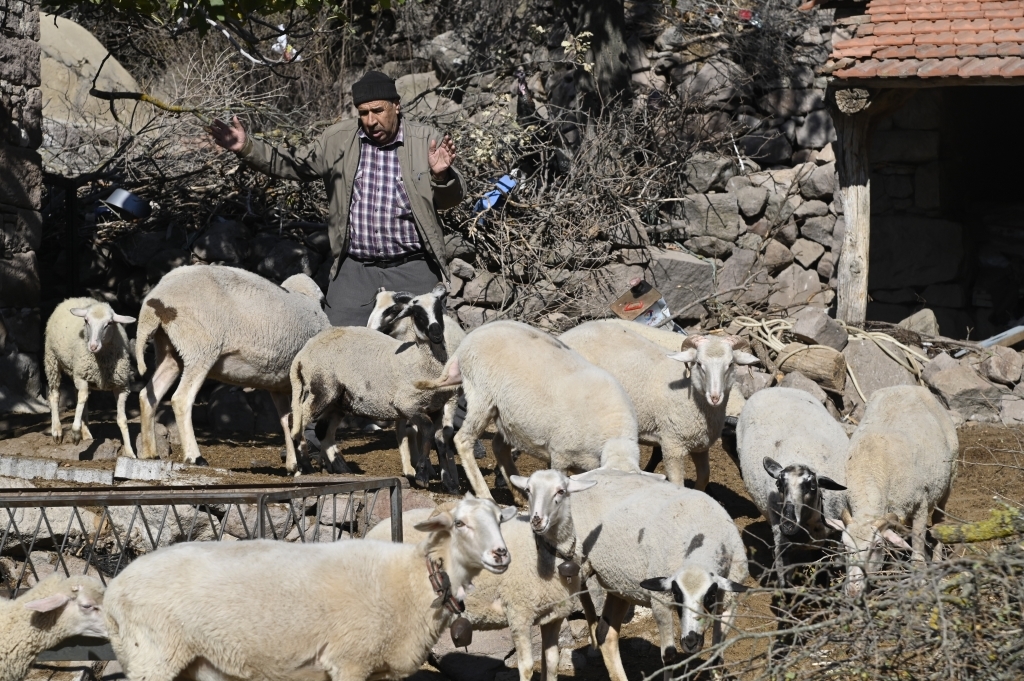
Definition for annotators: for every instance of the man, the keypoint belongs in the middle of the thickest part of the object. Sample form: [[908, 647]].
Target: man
[[386, 178]]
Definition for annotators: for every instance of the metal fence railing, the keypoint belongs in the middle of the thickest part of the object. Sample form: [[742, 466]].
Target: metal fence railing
[[100, 530]]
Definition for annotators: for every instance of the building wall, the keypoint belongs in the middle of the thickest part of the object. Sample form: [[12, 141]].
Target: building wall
[[945, 205], [21, 183]]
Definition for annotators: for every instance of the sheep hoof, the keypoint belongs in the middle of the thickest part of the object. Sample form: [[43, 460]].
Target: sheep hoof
[[76, 436], [200, 461], [450, 486], [499, 480], [58, 436]]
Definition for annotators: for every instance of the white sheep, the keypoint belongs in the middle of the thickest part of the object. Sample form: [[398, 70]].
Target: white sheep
[[544, 399], [351, 610], [388, 316], [680, 398], [900, 471], [792, 456], [364, 372], [637, 535], [227, 324], [532, 592], [56, 609], [85, 340]]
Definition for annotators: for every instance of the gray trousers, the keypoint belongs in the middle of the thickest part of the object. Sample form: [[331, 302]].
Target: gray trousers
[[351, 295]]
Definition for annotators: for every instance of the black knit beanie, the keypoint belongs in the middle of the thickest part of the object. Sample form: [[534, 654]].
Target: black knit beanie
[[373, 86]]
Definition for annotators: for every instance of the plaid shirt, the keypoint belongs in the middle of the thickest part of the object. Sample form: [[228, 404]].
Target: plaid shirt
[[381, 225]]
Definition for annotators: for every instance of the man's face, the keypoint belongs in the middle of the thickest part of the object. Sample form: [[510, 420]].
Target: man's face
[[380, 120]]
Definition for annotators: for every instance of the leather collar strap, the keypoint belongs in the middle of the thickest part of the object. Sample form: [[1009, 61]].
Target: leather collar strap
[[442, 586], [571, 557]]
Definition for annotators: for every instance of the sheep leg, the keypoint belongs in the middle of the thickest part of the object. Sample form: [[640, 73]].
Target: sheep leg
[[503, 455], [444, 442], [181, 402], [83, 398], [475, 423], [590, 612], [122, 423], [666, 633], [549, 646], [329, 447], [420, 444], [917, 540], [405, 444], [702, 464], [53, 394], [524, 645], [608, 635], [779, 547], [673, 456], [283, 405], [168, 368]]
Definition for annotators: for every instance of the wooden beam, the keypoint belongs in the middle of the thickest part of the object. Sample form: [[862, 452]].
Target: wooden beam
[[913, 83], [853, 111]]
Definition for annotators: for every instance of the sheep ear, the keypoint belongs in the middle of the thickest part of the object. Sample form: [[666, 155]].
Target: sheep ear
[[656, 476], [435, 523], [773, 467], [835, 524], [49, 603], [657, 584], [580, 485], [728, 585], [829, 483], [685, 356], [79, 311], [520, 483], [440, 291], [124, 319], [896, 540], [508, 513], [744, 358]]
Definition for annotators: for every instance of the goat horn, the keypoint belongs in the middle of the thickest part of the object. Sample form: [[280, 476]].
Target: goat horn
[[692, 342], [847, 518]]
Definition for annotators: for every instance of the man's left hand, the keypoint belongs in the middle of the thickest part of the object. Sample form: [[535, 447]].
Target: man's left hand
[[441, 157]]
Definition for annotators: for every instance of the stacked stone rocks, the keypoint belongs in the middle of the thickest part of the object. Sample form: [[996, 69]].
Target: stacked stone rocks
[[21, 183]]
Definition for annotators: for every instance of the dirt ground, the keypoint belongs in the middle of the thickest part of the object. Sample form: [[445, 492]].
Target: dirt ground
[[991, 470]]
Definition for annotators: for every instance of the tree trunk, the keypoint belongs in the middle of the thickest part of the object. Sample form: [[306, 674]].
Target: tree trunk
[[610, 79]]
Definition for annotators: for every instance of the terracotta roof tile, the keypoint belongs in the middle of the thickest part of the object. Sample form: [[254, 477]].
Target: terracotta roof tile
[[1012, 68], [935, 39], [1009, 37], [935, 51], [946, 38], [895, 68], [938, 68], [929, 26], [1008, 24]]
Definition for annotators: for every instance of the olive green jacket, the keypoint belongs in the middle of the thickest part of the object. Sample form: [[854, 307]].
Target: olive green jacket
[[334, 157]]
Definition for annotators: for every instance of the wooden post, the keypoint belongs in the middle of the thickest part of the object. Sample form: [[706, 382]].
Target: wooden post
[[854, 110], [852, 121]]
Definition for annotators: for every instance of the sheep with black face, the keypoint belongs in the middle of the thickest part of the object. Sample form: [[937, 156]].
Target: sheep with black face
[[792, 455], [361, 371]]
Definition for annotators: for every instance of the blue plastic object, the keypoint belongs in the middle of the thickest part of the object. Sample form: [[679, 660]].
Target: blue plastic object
[[491, 198]]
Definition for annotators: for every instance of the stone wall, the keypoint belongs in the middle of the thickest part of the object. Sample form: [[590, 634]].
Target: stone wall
[[21, 183], [945, 227]]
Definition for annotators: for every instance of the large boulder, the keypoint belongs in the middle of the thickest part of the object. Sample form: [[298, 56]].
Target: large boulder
[[714, 215], [820, 183], [488, 290], [963, 390], [682, 279], [796, 286], [814, 327], [705, 170], [873, 368]]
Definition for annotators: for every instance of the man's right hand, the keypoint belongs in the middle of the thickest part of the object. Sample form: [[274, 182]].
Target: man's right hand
[[229, 136]]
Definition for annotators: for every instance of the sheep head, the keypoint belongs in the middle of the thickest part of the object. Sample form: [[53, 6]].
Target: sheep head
[[712, 360], [99, 322]]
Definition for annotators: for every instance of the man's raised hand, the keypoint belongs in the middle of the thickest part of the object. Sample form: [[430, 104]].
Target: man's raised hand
[[230, 136], [441, 157]]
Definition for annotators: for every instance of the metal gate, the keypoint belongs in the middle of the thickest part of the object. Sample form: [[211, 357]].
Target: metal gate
[[100, 530]]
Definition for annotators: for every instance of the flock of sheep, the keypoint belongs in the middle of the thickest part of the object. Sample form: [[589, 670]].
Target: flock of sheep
[[584, 402]]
